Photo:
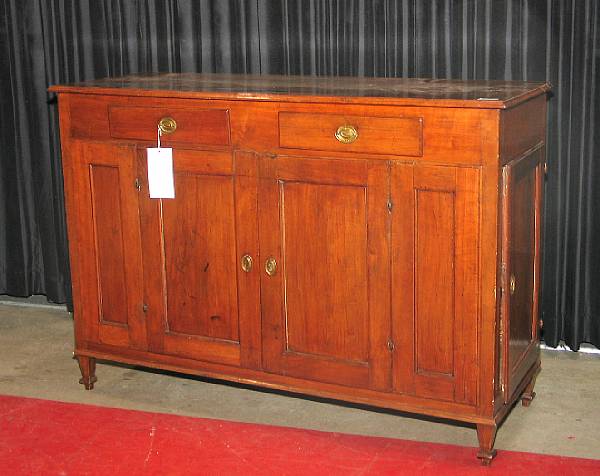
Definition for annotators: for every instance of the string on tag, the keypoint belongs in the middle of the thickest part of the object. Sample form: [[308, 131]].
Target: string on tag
[[158, 136]]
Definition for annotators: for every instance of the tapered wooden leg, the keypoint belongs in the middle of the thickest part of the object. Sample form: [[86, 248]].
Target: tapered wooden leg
[[528, 394], [87, 365], [486, 434]]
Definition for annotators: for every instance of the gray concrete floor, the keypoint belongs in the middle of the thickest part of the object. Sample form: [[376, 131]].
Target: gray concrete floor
[[35, 361]]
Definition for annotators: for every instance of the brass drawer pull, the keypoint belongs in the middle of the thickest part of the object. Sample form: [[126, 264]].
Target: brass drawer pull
[[271, 266], [167, 125], [346, 134], [246, 263], [512, 284]]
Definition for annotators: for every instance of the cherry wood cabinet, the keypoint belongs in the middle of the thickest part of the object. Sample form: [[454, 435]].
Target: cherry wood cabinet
[[368, 240]]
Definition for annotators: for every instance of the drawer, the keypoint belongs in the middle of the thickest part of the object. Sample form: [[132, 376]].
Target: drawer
[[193, 126], [351, 133]]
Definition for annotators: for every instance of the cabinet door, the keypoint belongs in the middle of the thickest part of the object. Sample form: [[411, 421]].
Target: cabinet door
[[109, 245], [201, 305], [435, 295], [522, 201], [324, 243]]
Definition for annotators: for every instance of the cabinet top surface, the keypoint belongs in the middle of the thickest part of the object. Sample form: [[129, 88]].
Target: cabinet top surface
[[393, 91]]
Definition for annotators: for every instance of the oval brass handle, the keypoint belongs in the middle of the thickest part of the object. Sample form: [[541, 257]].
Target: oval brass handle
[[246, 262], [346, 134], [512, 284], [271, 266], [167, 125]]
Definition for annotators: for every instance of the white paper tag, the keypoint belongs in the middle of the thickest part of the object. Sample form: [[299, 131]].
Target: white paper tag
[[160, 173]]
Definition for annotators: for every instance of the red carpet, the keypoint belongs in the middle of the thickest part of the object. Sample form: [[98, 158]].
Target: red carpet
[[40, 437]]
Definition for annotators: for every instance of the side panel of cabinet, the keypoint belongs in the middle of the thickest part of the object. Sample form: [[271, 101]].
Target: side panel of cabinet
[[435, 297], [110, 259], [325, 307], [522, 207], [192, 247]]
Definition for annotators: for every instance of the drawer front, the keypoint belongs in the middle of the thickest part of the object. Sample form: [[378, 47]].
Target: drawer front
[[193, 126], [352, 133]]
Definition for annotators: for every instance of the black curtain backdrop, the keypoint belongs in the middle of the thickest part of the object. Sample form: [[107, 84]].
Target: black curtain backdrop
[[45, 42]]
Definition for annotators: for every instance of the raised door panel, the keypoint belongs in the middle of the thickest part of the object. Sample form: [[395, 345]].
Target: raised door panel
[[521, 257], [193, 249], [435, 281], [110, 245], [325, 308]]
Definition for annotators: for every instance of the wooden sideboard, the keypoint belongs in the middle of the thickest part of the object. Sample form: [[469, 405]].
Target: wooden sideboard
[[369, 240]]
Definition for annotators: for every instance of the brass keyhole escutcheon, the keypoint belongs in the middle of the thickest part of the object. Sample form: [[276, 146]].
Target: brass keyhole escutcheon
[[271, 266], [167, 125], [346, 134], [246, 263], [512, 284]]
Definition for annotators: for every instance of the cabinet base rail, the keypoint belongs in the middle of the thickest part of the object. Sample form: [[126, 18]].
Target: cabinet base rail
[[486, 427]]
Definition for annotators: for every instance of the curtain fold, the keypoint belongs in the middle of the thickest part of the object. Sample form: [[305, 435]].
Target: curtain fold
[[56, 41], [33, 254]]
